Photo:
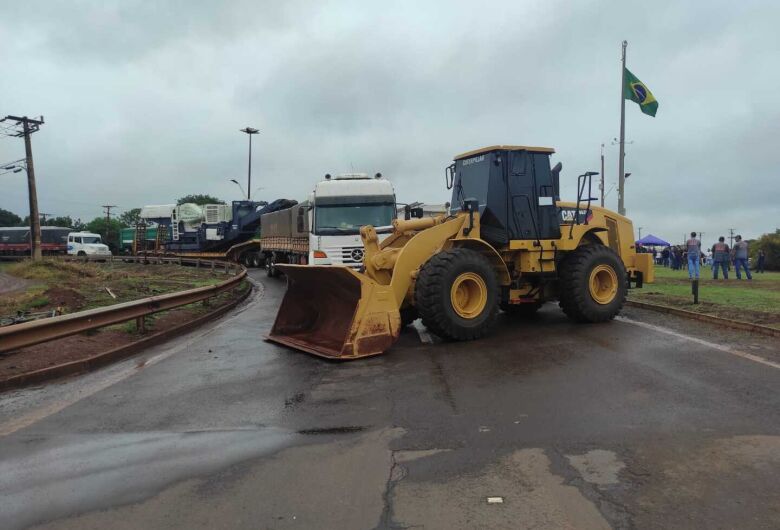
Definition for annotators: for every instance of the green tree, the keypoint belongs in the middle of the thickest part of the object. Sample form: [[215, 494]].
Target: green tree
[[9, 218], [770, 244], [64, 221], [200, 199], [130, 217], [109, 232]]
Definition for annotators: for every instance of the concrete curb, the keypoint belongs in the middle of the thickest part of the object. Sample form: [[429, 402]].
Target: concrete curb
[[117, 354], [735, 324]]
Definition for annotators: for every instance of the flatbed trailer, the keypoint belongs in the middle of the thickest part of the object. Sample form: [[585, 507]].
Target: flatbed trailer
[[247, 253]]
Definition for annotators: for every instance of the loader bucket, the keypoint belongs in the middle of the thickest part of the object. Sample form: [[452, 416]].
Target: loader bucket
[[335, 312]]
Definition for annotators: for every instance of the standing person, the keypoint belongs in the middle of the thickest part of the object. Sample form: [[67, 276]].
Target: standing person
[[693, 249], [741, 257], [761, 260], [720, 258], [665, 257]]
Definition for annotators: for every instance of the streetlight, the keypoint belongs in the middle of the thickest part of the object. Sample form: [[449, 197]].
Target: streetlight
[[237, 183], [249, 131]]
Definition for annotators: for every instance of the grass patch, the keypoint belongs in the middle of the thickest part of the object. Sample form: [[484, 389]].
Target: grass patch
[[76, 286], [756, 300]]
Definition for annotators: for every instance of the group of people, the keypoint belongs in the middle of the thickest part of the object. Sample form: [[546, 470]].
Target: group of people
[[722, 257]]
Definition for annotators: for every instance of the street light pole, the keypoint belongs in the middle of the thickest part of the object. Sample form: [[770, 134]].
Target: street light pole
[[249, 131]]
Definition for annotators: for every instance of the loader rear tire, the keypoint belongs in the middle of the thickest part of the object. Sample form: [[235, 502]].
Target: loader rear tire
[[457, 294], [593, 284]]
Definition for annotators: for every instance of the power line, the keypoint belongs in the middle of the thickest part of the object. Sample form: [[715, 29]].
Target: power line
[[107, 208], [731, 237], [29, 126]]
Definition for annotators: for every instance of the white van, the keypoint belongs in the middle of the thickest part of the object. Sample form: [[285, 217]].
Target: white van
[[86, 244]]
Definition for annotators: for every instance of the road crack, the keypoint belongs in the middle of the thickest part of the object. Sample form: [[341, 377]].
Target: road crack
[[396, 474]]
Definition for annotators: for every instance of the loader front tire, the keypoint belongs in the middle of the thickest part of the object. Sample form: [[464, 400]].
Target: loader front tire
[[593, 284], [456, 294]]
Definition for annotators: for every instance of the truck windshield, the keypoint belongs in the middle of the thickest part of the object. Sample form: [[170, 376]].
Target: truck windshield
[[90, 240], [348, 218]]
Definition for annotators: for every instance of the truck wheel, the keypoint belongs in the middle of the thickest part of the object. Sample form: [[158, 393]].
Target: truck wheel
[[270, 267], [256, 260], [457, 294], [521, 310], [592, 284]]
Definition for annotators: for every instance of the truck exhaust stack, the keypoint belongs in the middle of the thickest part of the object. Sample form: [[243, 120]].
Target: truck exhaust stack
[[335, 312]]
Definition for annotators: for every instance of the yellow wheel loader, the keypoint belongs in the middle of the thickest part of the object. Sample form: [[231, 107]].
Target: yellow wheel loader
[[507, 243]]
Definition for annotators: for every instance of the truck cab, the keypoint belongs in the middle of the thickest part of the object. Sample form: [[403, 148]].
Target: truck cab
[[339, 207], [86, 244]]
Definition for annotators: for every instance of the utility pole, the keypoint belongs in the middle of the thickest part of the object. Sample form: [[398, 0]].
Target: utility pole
[[731, 237], [602, 176], [30, 126], [621, 158], [249, 131], [107, 208], [640, 232]]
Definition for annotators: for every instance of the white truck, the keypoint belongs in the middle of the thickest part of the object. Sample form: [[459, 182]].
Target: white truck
[[325, 230], [87, 244]]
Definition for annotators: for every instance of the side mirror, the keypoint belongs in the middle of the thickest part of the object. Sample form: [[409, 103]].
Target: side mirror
[[449, 175], [416, 213]]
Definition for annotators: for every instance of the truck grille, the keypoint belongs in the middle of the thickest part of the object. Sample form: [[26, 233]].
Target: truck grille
[[349, 256]]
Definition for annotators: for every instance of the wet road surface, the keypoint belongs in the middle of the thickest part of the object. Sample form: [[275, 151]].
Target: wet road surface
[[560, 425]]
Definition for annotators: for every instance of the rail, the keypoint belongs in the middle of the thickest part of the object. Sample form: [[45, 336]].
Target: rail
[[18, 336]]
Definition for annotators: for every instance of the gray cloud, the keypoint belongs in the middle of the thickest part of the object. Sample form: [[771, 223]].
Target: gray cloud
[[143, 101]]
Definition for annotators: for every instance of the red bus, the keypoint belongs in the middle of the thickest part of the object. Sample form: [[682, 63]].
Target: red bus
[[15, 241]]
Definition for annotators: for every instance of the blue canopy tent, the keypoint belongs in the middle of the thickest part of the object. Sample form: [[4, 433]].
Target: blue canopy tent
[[651, 241]]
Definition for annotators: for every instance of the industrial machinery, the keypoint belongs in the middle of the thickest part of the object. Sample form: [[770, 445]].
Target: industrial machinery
[[209, 231], [508, 242]]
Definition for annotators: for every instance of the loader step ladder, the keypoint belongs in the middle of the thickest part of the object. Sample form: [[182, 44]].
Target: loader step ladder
[[175, 231]]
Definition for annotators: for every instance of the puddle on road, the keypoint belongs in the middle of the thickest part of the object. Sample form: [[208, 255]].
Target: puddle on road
[[87, 472], [600, 467]]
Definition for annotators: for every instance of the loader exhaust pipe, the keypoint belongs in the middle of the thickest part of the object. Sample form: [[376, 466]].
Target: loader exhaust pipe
[[335, 312]]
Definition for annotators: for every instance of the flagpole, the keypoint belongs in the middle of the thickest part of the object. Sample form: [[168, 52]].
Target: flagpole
[[621, 167]]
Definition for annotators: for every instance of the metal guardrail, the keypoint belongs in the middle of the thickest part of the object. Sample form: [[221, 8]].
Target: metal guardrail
[[18, 336]]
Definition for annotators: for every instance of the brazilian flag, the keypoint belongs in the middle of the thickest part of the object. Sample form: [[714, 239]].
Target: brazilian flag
[[637, 91]]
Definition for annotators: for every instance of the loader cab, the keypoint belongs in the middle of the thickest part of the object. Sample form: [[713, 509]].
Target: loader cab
[[515, 188]]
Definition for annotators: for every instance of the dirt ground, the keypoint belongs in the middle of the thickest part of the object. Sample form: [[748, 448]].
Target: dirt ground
[[10, 284]]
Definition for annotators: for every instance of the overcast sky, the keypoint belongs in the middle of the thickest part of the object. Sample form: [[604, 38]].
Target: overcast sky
[[143, 101]]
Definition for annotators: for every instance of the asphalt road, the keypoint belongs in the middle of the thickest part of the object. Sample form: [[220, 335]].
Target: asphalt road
[[624, 425]]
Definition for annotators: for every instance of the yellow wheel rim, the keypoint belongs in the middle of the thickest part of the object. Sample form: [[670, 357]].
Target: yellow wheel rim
[[469, 295], [603, 284]]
